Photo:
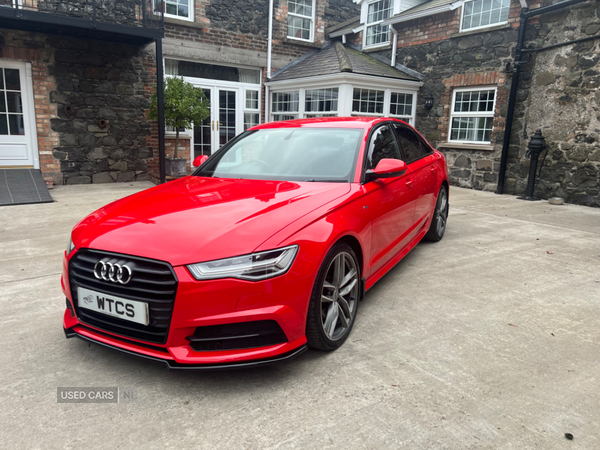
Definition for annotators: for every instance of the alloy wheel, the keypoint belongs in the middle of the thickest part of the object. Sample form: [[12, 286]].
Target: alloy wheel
[[442, 212], [339, 296]]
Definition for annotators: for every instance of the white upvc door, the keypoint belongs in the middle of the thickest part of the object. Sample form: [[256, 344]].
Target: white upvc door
[[18, 136], [225, 122]]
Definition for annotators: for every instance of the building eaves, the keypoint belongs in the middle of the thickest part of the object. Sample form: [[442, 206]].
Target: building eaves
[[423, 10]]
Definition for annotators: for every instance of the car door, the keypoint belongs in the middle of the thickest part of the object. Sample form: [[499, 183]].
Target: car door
[[391, 202], [419, 157]]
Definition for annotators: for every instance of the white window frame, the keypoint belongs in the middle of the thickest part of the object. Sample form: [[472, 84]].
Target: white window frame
[[346, 84], [410, 118], [252, 110], [191, 8], [474, 114], [462, 16], [330, 113], [367, 24], [312, 23], [299, 114], [384, 107]]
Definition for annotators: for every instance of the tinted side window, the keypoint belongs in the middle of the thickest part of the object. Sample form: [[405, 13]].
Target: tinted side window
[[410, 144], [383, 145]]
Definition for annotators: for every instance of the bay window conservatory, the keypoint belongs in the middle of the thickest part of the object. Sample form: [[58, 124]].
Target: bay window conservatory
[[313, 99]]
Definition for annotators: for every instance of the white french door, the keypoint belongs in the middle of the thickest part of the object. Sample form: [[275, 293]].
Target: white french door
[[224, 123], [18, 136]]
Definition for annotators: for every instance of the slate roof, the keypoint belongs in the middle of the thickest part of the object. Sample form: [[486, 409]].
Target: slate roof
[[344, 27], [337, 58]]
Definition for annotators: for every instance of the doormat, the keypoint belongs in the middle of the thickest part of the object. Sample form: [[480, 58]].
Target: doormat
[[22, 186]]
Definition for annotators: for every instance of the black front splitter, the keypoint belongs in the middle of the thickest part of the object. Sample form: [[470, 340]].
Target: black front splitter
[[174, 365]]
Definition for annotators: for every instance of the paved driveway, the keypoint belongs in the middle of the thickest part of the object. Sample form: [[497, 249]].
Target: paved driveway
[[487, 339]]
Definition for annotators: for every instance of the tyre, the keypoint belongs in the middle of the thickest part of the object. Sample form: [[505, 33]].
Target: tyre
[[440, 216], [334, 299]]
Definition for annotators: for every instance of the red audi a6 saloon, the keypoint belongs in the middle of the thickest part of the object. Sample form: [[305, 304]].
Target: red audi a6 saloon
[[265, 250]]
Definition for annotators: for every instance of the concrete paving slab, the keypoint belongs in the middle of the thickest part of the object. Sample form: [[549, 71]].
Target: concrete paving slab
[[487, 339]]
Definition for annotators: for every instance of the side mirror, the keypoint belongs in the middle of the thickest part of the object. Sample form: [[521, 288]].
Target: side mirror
[[199, 160], [387, 168]]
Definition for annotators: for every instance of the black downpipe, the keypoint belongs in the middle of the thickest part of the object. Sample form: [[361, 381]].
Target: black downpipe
[[511, 100], [525, 14], [144, 5], [161, 111]]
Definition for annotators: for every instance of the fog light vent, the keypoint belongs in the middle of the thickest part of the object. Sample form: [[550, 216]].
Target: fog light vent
[[237, 336]]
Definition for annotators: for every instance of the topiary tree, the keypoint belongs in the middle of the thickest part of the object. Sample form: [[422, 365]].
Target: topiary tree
[[184, 105]]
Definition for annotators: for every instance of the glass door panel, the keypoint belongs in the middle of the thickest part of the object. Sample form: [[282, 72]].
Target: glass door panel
[[227, 113], [203, 134], [224, 123], [17, 132], [11, 104]]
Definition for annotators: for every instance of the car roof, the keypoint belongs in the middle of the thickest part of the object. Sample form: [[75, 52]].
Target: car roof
[[325, 122]]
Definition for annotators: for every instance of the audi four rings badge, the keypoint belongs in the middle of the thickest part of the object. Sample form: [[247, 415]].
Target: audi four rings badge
[[116, 273]]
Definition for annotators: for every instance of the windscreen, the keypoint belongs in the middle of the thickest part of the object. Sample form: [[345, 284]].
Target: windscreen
[[288, 154]]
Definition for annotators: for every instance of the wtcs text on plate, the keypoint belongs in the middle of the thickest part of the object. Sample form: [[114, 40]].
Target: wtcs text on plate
[[95, 395]]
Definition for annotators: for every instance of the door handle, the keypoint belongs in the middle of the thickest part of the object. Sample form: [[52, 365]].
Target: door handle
[[217, 125], [410, 183], [212, 125], [433, 169]]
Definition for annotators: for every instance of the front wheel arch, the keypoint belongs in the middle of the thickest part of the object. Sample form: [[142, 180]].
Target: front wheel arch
[[334, 298]]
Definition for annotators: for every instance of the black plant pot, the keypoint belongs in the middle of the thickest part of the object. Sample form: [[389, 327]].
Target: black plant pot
[[176, 166]]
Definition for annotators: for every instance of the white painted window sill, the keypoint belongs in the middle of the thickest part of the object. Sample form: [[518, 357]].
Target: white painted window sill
[[461, 146]]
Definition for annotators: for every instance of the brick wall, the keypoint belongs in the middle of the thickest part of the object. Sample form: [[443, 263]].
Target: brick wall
[[48, 139], [90, 99], [18, 46], [445, 25]]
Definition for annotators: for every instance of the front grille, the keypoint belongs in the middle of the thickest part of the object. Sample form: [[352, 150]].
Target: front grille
[[237, 336], [153, 282]]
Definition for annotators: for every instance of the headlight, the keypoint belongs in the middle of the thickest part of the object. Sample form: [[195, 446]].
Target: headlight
[[70, 247], [253, 267]]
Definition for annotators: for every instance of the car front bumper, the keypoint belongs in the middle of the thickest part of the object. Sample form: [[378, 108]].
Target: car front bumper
[[206, 305]]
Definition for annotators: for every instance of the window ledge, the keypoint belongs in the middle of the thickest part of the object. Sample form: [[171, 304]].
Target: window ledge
[[377, 48], [501, 26], [288, 40], [184, 22], [171, 135], [459, 146]]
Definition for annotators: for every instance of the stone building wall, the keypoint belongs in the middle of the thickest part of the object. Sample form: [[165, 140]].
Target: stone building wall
[[557, 93], [561, 96], [477, 59], [225, 23], [32, 48], [102, 98], [91, 100]]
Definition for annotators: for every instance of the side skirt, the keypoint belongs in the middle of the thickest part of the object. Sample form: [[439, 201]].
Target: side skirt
[[396, 259]]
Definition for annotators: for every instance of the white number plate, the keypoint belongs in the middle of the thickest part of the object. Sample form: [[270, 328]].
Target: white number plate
[[110, 305]]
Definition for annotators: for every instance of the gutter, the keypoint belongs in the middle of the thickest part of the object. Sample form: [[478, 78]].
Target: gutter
[[525, 15]]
